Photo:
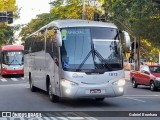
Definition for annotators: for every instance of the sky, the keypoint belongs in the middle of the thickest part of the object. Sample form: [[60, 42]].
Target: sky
[[30, 8]]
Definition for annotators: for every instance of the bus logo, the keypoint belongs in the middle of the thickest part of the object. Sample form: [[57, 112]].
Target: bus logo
[[75, 75]]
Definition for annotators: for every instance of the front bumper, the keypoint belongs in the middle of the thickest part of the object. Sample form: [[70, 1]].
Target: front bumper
[[12, 72], [157, 83], [85, 91]]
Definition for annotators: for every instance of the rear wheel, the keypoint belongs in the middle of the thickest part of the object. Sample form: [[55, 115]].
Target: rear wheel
[[152, 86], [53, 98], [134, 84]]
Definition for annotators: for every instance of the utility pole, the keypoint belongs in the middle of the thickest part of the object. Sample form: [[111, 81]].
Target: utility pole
[[83, 10]]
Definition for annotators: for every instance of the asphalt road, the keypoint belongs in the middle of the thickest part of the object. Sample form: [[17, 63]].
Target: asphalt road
[[15, 95]]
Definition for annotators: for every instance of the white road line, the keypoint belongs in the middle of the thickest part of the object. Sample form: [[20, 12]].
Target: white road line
[[141, 95], [14, 79], [3, 80], [135, 99], [22, 78]]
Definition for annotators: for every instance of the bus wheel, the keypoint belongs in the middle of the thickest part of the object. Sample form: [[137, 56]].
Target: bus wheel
[[99, 99], [53, 98], [32, 88]]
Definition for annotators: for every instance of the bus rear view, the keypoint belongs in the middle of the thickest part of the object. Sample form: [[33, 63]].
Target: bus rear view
[[12, 60]]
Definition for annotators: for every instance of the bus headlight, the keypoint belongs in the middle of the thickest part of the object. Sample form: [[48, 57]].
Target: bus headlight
[[4, 67], [120, 82], [68, 84]]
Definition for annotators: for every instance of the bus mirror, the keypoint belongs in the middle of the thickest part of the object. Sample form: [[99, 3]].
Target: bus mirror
[[59, 38], [127, 39]]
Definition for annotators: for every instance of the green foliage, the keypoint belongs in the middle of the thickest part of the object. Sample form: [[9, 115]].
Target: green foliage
[[72, 10], [6, 31], [152, 52], [132, 15]]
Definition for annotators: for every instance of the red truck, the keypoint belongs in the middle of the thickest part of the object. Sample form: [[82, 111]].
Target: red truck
[[148, 75]]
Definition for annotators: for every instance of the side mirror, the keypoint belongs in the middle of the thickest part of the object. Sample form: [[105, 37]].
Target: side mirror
[[127, 39], [58, 38], [146, 72]]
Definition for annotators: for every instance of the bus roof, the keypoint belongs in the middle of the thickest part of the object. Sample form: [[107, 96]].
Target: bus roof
[[79, 23], [75, 23], [12, 47]]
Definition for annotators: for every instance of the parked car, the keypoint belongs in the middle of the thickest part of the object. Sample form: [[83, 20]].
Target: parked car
[[148, 75]]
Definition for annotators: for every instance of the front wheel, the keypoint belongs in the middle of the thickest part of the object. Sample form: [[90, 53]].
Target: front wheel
[[134, 84], [152, 86], [53, 98]]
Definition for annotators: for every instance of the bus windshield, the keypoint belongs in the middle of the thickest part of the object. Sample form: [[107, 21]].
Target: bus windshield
[[13, 58], [91, 49]]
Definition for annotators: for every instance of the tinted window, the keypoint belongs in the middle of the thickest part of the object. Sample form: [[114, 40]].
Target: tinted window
[[37, 42]]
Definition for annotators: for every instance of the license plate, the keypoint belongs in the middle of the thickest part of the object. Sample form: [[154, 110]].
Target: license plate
[[95, 91]]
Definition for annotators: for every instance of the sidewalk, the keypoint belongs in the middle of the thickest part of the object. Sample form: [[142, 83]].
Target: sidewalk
[[127, 77]]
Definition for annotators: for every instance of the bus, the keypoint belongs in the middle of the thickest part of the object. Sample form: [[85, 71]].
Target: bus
[[12, 60], [76, 59]]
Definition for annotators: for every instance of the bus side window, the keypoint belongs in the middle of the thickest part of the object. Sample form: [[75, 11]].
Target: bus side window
[[38, 42], [51, 42], [27, 46]]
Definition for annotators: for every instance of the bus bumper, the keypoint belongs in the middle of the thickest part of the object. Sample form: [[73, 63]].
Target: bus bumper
[[92, 91], [12, 72]]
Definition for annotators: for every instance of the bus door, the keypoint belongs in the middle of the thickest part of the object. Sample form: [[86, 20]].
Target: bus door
[[56, 73]]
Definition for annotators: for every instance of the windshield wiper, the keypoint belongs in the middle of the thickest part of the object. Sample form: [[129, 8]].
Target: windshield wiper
[[94, 53], [103, 61], [11, 62], [15, 59], [80, 66]]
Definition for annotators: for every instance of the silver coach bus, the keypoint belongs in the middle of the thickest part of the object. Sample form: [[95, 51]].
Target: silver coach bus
[[76, 59]]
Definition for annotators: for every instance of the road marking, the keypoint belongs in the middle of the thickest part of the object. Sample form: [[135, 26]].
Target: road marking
[[135, 99], [141, 96], [23, 78], [14, 79], [3, 80]]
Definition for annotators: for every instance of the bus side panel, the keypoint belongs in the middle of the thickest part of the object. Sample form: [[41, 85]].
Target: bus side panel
[[39, 70], [50, 71], [27, 65], [57, 79]]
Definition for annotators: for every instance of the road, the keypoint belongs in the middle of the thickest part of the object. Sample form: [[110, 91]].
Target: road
[[15, 95]]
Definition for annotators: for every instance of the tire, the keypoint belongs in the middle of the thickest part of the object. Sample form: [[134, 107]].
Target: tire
[[134, 84], [152, 86], [53, 98], [32, 88], [100, 99]]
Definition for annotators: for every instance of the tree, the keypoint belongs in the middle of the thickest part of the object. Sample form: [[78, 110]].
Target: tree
[[6, 31], [60, 11], [132, 15], [148, 51]]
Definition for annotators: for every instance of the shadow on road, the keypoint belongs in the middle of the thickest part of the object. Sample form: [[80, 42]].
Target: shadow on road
[[12, 76], [81, 102]]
